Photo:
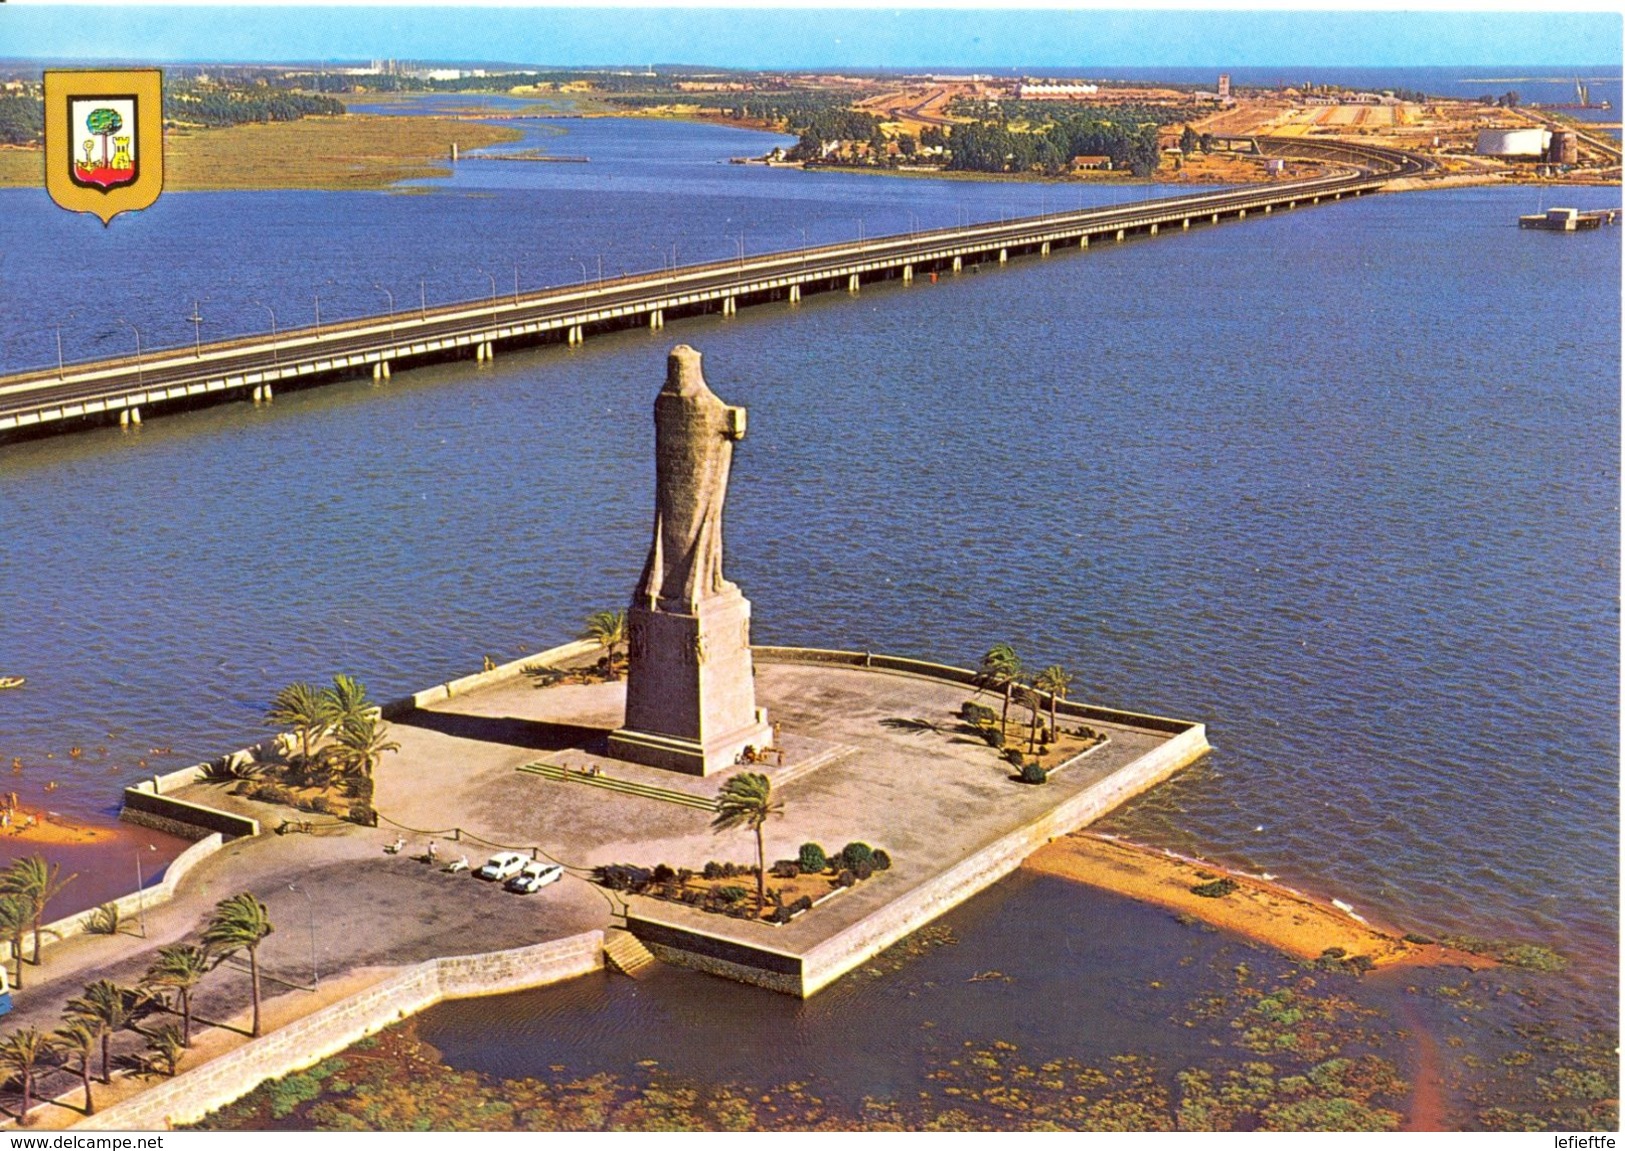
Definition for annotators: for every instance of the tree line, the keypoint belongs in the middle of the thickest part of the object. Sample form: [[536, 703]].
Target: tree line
[[221, 108], [22, 119]]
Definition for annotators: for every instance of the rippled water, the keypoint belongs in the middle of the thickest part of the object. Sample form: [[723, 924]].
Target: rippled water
[[1341, 483]]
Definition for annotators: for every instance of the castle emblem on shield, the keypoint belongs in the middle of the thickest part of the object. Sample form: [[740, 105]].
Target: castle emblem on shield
[[104, 144]]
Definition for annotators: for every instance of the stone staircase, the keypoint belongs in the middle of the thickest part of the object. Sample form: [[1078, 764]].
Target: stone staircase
[[829, 755], [624, 952], [561, 774]]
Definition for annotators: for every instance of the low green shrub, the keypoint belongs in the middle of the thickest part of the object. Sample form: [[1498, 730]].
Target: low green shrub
[[812, 858], [994, 737], [732, 894], [856, 853], [363, 814], [1217, 889], [785, 869], [977, 713], [1033, 773], [103, 920], [1013, 756], [846, 878], [881, 860]]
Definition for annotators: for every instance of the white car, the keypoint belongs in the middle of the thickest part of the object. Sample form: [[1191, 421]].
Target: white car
[[502, 865], [533, 877]]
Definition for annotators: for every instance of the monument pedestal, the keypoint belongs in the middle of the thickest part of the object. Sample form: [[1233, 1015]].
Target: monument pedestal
[[690, 688]]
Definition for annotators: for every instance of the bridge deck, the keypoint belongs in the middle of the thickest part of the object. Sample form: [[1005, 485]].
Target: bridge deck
[[83, 394]]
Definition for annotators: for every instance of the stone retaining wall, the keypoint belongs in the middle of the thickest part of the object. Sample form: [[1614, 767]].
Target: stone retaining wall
[[841, 953], [178, 817], [193, 1094]]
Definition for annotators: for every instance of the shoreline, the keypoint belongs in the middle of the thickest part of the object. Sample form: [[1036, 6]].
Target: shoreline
[[1259, 909]]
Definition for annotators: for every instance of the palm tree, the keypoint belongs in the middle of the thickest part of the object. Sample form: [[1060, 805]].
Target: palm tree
[[1053, 682], [361, 746], [22, 1051], [1000, 671], [166, 1047], [107, 1008], [345, 702], [608, 629], [237, 923], [299, 706], [746, 800], [14, 921], [179, 969], [1035, 702], [35, 882], [76, 1039]]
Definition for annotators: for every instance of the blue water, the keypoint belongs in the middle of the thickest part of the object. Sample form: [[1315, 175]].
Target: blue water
[[1342, 483]]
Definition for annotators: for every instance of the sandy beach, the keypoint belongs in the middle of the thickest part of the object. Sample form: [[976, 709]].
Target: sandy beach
[[1261, 910]]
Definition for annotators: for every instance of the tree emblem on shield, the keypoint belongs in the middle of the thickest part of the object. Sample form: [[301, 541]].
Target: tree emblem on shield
[[104, 143]]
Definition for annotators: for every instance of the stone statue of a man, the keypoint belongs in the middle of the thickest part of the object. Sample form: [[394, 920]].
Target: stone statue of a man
[[694, 438]]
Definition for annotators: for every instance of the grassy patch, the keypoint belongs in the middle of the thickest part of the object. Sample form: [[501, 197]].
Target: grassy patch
[[351, 152]]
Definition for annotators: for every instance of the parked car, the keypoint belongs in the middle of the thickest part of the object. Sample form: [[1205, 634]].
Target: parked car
[[502, 865], [533, 877]]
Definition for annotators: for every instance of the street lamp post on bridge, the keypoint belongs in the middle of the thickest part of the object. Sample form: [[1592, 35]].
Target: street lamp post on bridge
[[137, 331], [275, 358], [391, 296], [197, 330]]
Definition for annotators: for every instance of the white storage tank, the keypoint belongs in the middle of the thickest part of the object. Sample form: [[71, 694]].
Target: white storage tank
[[1520, 142]]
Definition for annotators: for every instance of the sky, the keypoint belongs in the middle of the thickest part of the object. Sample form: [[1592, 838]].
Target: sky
[[809, 37]]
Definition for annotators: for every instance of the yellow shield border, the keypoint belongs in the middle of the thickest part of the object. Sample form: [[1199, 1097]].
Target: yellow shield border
[[146, 85]]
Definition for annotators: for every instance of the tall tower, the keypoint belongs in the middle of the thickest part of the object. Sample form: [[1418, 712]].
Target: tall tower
[[1224, 85], [690, 686]]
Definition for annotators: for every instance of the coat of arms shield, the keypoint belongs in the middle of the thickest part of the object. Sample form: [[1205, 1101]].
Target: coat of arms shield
[[104, 142]]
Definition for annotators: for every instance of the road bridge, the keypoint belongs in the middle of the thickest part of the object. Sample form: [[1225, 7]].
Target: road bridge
[[78, 395]]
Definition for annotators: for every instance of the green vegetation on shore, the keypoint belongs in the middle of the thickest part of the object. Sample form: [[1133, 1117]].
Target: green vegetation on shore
[[348, 153]]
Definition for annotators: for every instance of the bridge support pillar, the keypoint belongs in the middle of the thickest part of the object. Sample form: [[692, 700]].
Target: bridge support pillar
[[1153, 229], [729, 306], [1083, 241], [490, 351], [1337, 195], [262, 394], [124, 418], [1004, 255], [380, 370], [1291, 203], [1185, 224], [1242, 214], [1269, 209], [1315, 200], [795, 293], [1215, 217], [1120, 235], [657, 320], [574, 336], [135, 417], [852, 283], [1044, 251], [479, 352], [959, 265], [908, 273]]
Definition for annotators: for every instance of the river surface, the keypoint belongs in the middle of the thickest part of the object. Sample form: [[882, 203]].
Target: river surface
[[1343, 484]]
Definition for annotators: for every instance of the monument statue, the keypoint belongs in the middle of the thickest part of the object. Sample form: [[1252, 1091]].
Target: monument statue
[[690, 686], [694, 439]]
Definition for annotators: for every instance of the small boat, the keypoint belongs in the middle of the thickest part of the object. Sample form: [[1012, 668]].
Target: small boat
[[11, 681]]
